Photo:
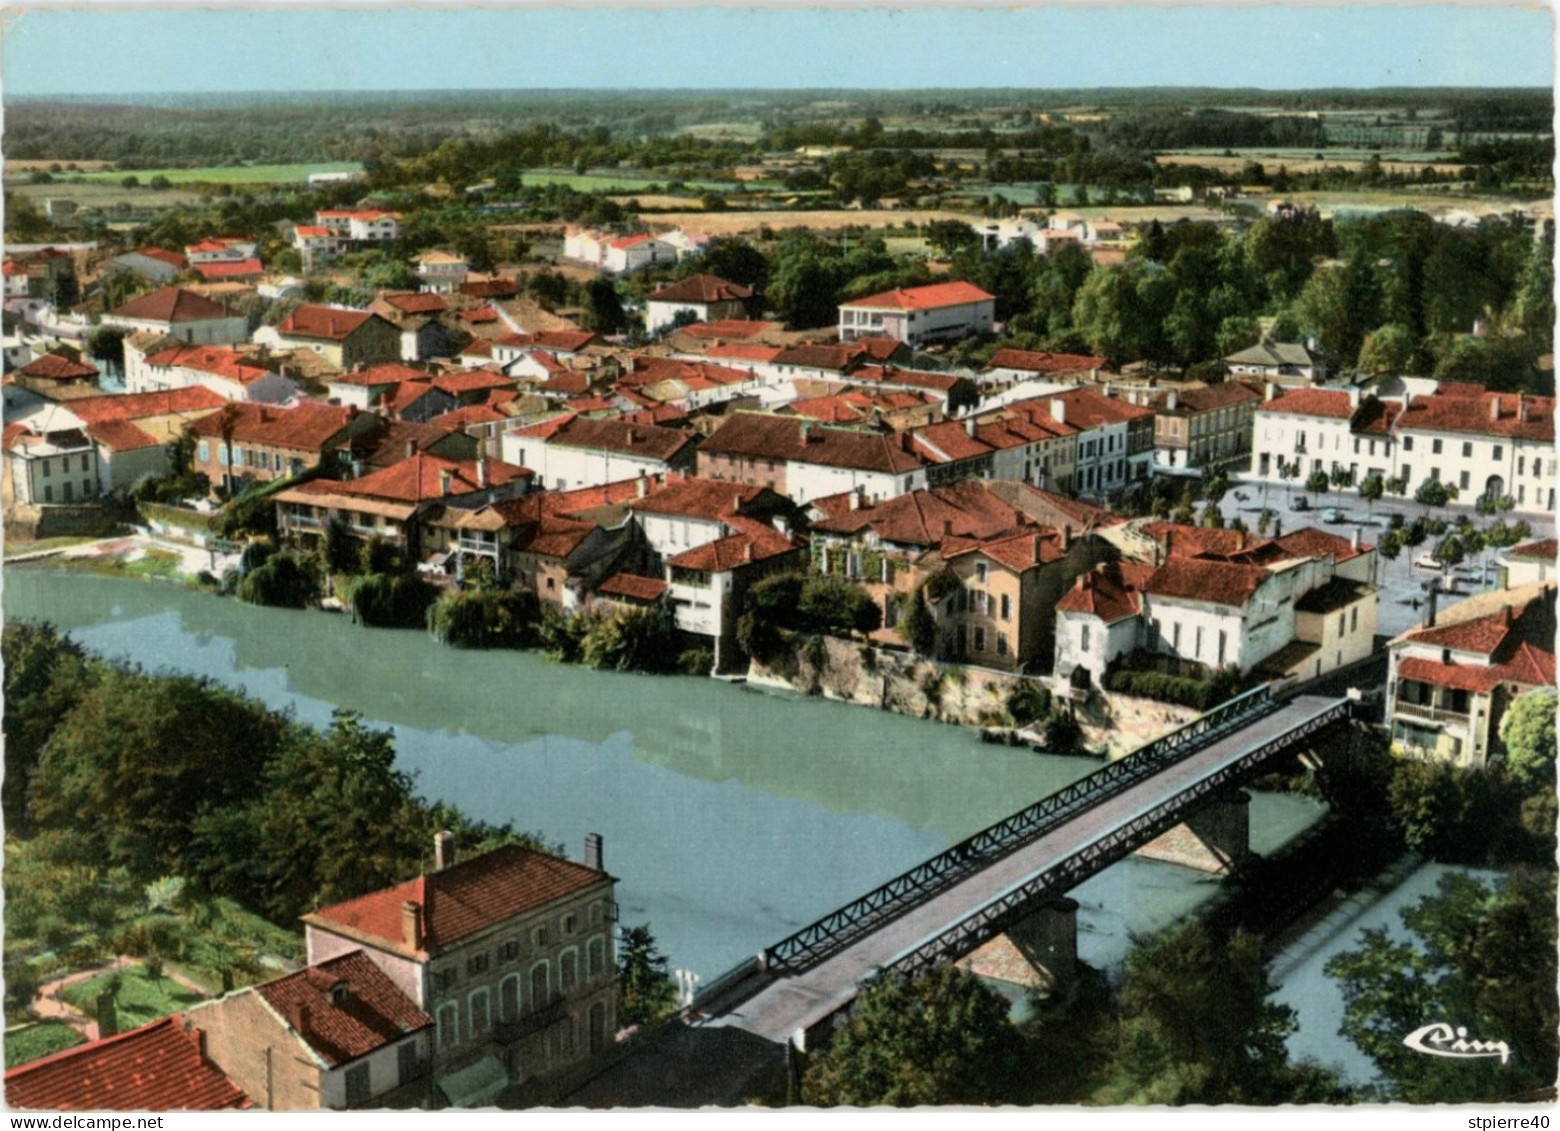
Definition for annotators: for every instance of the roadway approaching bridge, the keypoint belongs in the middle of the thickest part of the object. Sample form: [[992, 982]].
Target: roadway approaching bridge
[[1012, 876]]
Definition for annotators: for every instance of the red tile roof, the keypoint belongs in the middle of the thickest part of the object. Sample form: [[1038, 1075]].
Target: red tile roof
[[138, 406], [158, 1067], [1210, 582], [58, 367], [880, 349], [1332, 403], [172, 304], [389, 373], [754, 541], [417, 303], [344, 1008], [478, 315], [832, 357], [324, 322], [121, 436], [1044, 362], [490, 288], [1545, 549], [1490, 414], [461, 900], [924, 298], [1111, 591], [421, 477], [744, 351], [215, 360], [1206, 399], [1527, 665], [312, 231], [172, 258], [307, 426], [757, 435], [633, 587], [916, 379], [611, 435], [1019, 550], [235, 269], [461, 418], [472, 381], [694, 497], [702, 289], [1084, 409], [631, 241]]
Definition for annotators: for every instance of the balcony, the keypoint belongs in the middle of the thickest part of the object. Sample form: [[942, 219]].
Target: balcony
[[507, 1032], [1427, 713]]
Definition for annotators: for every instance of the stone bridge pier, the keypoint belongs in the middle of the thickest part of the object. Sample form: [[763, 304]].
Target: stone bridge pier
[[1040, 951], [1216, 838]]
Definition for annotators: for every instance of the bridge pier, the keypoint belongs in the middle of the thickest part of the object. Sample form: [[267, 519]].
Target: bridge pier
[[1040, 952], [1216, 838]]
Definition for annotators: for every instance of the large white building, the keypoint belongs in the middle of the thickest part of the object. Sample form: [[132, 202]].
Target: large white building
[[572, 451], [917, 315]]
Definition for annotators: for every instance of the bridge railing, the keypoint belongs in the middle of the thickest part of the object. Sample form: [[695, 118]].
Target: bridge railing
[[1018, 900], [865, 914]]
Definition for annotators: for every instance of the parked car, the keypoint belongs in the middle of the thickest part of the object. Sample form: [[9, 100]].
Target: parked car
[[1427, 561], [1299, 503], [1332, 514]]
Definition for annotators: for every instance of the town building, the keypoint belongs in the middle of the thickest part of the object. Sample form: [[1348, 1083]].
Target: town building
[[573, 450], [177, 313], [53, 467], [54, 374], [511, 953], [1285, 363], [919, 315], [698, 298], [1204, 429], [808, 461], [226, 372], [1452, 679], [332, 1036], [158, 1067], [1009, 366], [134, 432], [442, 272], [1529, 563], [344, 338], [244, 445], [157, 264]]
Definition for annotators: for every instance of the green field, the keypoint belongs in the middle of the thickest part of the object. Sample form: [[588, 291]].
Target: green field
[[230, 174], [606, 182], [26, 1045]]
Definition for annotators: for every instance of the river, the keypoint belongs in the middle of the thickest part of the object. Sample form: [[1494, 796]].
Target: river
[[732, 816]]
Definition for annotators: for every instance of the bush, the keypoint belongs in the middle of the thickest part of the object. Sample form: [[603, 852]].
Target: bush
[[1063, 735], [392, 600], [486, 619], [832, 603], [284, 580], [1166, 688], [695, 661], [917, 626], [639, 640], [758, 637], [1029, 700]]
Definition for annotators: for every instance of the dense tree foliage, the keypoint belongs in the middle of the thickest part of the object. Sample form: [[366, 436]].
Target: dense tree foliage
[[646, 992]]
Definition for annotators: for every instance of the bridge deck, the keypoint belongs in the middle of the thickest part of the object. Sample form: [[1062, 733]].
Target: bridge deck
[[780, 1008]]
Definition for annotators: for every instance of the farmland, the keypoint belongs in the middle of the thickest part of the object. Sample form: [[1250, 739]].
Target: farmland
[[609, 182], [230, 174]]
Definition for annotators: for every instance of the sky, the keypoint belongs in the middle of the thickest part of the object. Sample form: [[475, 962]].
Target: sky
[[127, 49]]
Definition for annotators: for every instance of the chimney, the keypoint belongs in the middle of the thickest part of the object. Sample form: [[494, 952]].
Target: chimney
[[446, 481], [1169, 536], [1038, 539], [969, 427], [1240, 539], [947, 528], [642, 488], [593, 852], [1058, 410], [633, 435], [411, 924], [358, 368], [806, 431], [1506, 616], [855, 500], [482, 469], [1430, 606], [411, 448], [1354, 396], [1495, 407], [298, 1014], [1354, 539], [1522, 408], [747, 551], [443, 850], [1269, 391], [1171, 401], [1066, 535]]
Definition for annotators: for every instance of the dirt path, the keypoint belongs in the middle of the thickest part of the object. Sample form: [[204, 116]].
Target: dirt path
[[49, 1002]]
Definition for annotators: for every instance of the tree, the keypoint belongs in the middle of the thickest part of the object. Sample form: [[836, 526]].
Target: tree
[[45, 674], [646, 992], [1480, 959], [1431, 493], [940, 1039], [949, 236], [1387, 349], [1317, 482], [734, 260], [1371, 490], [917, 626], [834, 603], [1528, 732], [603, 310]]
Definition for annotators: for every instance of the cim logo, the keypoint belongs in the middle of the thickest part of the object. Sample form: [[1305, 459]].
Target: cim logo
[[1441, 1039]]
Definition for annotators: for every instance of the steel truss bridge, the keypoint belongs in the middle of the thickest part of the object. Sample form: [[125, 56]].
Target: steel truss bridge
[[950, 904]]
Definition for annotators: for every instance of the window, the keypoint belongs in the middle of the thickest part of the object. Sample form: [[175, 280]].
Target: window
[[203, 451], [1405, 473], [1223, 636], [84, 461], [1197, 644], [1007, 607], [1175, 637], [595, 957], [48, 494], [1462, 481], [1354, 619], [1002, 644], [1435, 447], [1521, 461], [1499, 452], [568, 970], [977, 639], [406, 1061], [476, 964], [1435, 474], [46, 469], [509, 998], [1340, 624], [357, 1085], [509, 951], [477, 1011], [1467, 450], [1084, 638], [541, 991], [444, 979], [980, 572], [1408, 443], [449, 1026], [570, 921]]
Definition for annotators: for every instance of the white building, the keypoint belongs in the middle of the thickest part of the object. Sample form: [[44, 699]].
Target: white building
[[917, 315], [181, 314], [56, 467], [698, 298], [572, 451], [442, 272], [804, 460], [1289, 363], [633, 253]]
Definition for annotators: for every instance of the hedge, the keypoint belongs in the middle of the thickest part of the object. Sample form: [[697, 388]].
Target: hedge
[[1166, 688]]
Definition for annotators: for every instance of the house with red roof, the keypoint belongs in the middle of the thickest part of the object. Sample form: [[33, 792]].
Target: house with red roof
[[318, 244], [248, 444], [155, 263], [249, 270], [55, 371], [1528, 563], [1204, 428], [335, 1035], [1294, 607], [510, 952], [572, 450], [158, 1067], [1012, 548], [442, 272], [1451, 680], [1008, 366], [177, 313], [231, 375], [397, 503], [617, 255], [135, 431], [51, 462], [698, 298], [345, 338], [806, 460], [919, 315], [1112, 444]]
